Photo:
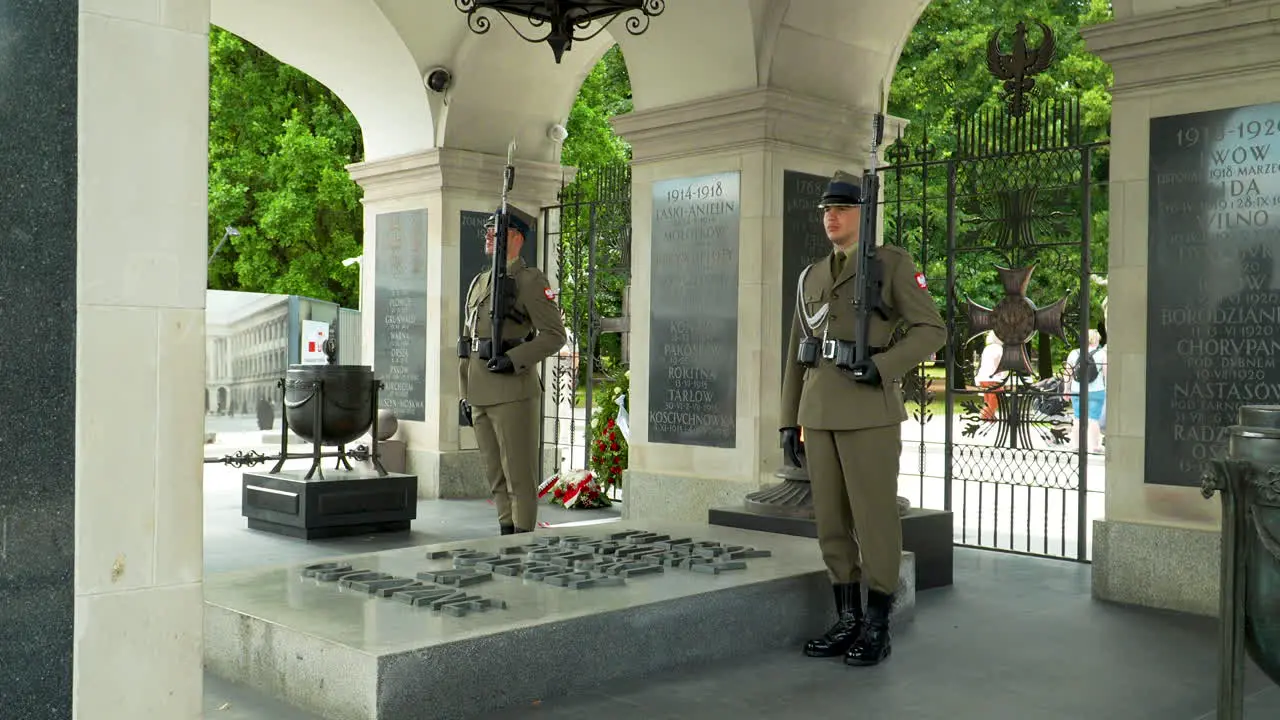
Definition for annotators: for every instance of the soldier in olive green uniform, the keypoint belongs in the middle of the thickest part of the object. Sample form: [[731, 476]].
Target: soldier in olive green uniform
[[500, 396], [852, 435]]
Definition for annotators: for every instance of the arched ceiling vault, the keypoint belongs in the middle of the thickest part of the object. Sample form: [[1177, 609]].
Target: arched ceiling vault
[[374, 53]]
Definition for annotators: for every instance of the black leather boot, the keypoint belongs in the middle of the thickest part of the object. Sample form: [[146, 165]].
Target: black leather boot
[[872, 646], [507, 529], [848, 625]]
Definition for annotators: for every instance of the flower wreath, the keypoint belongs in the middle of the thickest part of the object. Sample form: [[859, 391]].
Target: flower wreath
[[575, 489]]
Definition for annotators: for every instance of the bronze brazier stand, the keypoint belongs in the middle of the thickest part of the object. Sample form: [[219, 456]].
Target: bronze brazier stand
[[1248, 481], [344, 403]]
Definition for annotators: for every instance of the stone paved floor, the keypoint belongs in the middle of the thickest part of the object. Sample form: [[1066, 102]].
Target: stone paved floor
[[1015, 637]]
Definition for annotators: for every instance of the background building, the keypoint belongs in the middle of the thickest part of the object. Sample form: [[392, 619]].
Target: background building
[[252, 338]]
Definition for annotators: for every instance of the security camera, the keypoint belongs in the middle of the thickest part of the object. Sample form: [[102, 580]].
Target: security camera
[[438, 80], [557, 133]]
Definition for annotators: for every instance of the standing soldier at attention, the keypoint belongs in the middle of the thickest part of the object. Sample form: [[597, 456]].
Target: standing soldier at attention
[[852, 414], [501, 390]]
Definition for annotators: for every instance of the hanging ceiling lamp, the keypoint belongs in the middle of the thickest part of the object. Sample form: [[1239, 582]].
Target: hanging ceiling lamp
[[560, 22]]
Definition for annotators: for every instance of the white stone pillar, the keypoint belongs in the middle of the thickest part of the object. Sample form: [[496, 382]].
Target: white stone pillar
[[1158, 545], [751, 139], [448, 184], [104, 134]]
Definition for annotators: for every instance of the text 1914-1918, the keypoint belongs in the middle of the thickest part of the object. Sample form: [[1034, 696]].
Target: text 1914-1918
[[693, 344]]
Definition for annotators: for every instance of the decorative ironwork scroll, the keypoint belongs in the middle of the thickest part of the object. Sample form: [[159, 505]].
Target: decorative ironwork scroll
[[561, 23], [586, 251], [1014, 188]]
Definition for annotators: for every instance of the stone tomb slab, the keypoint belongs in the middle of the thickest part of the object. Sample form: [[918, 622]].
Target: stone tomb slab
[[460, 628], [342, 502]]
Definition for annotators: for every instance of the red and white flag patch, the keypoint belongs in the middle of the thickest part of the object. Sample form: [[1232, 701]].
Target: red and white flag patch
[[920, 281], [551, 294]]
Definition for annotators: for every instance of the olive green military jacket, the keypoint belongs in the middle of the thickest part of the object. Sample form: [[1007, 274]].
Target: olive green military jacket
[[825, 397], [536, 302]]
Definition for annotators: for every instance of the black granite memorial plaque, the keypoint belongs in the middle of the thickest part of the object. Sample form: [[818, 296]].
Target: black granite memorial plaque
[[400, 312], [1213, 300], [472, 259], [803, 239], [693, 326]]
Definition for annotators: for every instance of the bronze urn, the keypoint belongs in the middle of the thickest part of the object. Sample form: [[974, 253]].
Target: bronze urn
[[1248, 480], [330, 404], [342, 394]]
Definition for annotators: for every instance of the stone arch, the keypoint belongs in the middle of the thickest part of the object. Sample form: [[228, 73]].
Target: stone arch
[[709, 46], [826, 48], [352, 48], [507, 88]]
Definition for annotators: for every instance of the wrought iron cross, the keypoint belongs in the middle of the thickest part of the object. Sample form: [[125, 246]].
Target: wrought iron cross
[[1016, 319]]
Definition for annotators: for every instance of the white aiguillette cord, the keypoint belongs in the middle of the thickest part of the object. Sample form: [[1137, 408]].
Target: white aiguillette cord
[[811, 321]]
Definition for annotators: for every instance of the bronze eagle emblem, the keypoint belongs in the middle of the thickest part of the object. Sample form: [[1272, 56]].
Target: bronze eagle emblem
[[1017, 68]]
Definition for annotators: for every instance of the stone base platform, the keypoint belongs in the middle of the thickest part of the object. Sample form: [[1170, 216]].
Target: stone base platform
[[926, 533], [452, 630], [339, 503]]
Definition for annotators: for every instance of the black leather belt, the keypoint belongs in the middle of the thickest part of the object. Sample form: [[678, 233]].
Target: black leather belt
[[830, 347], [507, 345]]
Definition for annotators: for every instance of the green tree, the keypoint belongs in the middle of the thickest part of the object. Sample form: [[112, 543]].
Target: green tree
[[278, 145], [605, 92]]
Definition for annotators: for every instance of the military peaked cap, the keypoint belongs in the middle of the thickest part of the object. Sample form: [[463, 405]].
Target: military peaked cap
[[844, 190], [520, 220]]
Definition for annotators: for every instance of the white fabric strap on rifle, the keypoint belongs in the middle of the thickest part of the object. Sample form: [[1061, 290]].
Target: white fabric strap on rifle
[[471, 318], [811, 322]]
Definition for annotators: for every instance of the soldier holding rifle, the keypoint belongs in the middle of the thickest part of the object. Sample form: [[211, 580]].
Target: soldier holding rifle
[[843, 386], [512, 323]]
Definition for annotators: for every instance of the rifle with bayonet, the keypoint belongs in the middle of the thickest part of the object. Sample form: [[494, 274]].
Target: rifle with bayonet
[[502, 287], [868, 297]]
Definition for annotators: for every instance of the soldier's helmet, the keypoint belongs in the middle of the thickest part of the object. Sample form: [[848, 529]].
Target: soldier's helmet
[[844, 190]]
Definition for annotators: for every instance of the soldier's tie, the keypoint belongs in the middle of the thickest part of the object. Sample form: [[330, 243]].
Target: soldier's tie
[[837, 264]]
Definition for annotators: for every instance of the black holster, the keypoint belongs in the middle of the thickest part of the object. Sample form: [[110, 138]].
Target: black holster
[[809, 351]]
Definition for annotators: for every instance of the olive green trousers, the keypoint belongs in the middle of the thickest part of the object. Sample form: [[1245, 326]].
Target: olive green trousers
[[854, 476], [507, 436]]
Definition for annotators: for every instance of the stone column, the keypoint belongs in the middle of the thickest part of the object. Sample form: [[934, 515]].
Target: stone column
[[1159, 543], [710, 273], [103, 131], [437, 199]]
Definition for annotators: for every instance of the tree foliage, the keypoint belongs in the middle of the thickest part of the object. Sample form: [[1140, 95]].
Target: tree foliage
[[279, 142], [605, 92]]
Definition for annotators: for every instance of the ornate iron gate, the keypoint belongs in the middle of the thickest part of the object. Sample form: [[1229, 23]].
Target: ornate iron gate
[[587, 253], [1002, 222]]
